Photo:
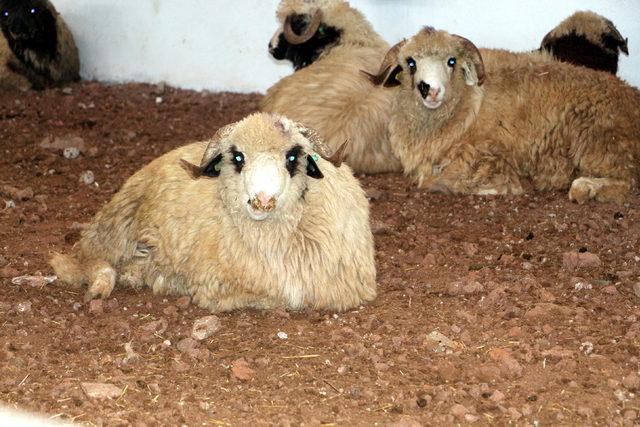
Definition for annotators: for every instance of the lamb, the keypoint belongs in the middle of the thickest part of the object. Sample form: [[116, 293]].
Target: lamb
[[329, 42], [588, 39], [267, 219], [457, 129], [43, 47]]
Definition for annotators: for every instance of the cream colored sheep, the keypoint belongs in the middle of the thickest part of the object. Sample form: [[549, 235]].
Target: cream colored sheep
[[263, 221], [329, 95], [43, 47], [551, 124]]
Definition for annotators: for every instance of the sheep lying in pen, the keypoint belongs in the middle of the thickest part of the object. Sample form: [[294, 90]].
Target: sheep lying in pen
[[267, 219], [551, 124], [329, 42], [42, 45], [588, 39]]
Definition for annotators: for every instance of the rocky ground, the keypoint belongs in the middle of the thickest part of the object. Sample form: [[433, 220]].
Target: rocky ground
[[494, 310]]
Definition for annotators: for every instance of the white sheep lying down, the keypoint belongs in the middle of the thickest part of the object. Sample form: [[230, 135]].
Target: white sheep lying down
[[266, 220]]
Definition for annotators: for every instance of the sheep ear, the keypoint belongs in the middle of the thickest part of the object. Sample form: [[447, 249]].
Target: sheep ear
[[312, 167], [211, 163], [472, 66], [390, 62]]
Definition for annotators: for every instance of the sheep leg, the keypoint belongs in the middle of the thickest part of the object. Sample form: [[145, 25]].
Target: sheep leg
[[484, 177], [584, 189], [102, 279]]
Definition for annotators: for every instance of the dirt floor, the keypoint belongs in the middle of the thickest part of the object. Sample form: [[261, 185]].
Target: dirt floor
[[493, 310]]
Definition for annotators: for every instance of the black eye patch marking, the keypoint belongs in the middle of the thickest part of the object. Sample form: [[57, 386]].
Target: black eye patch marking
[[212, 169], [291, 159], [312, 167], [237, 158], [412, 65]]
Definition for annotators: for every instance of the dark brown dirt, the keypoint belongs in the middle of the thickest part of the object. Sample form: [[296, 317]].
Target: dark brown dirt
[[532, 340]]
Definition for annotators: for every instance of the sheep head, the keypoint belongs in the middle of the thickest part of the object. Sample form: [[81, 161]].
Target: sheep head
[[431, 64], [29, 24], [265, 163], [304, 33]]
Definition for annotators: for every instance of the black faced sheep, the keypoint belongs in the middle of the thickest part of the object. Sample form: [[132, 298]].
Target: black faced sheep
[[43, 47]]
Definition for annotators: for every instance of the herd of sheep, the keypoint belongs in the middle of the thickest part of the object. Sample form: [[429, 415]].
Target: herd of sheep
[[265, 214]]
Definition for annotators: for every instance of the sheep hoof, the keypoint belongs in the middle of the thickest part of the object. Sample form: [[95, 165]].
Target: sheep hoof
[[602, 189], [102, 285]]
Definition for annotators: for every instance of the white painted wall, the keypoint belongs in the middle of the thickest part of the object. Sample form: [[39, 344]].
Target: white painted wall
[[222, 44]]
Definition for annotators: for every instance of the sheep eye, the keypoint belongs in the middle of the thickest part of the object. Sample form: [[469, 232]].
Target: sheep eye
[[238, 159], [5, 13], [451, 62], [292, 159], [412, 65], [321, 30], [33, 10]]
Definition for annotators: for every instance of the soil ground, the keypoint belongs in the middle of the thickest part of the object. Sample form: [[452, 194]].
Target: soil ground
[[533, 333]]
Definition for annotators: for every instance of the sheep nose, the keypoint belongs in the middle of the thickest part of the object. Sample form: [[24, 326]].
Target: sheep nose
[[263, 202], [424, 89]]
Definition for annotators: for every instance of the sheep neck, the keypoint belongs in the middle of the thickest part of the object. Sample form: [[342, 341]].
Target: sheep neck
[[433, 134]]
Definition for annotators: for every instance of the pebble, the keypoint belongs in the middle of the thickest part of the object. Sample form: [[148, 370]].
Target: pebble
[[9, 204], [183, 302], [508, 363], [34, 281], [3, 261], [23, 307], [60, 143], [71, 153], [573, 260], [373, 193], [282, 335], [636, 289], [470, 249], [204, 327], [87, 178], [497, 396], [630, 415], [380, 228], [631, 382], [131, 356], [156, 326], [187, 345], [241, 370], [96, 307], [464, 288], [458, 410], [67, 91], [610, 290], [439, 342], [101, 390], [543, 311]]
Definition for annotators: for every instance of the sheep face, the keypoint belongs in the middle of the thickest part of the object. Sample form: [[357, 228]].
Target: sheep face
[[265, 163], [303, 35], [29, 24], [433, 65]]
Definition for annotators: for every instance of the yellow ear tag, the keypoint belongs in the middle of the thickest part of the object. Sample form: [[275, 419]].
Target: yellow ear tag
[[399, 76]]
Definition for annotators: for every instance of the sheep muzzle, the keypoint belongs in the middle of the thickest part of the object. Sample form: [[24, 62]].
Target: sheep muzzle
[[263, 203]]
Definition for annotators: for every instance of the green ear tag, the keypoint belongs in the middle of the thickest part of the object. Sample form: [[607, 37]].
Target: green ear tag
[[217, 167], [315, 157]]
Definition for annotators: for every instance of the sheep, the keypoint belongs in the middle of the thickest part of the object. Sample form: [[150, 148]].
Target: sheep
[[44, 49], [267, 219], [328, 42], [588, 39], [457, 129], [8, 78]]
